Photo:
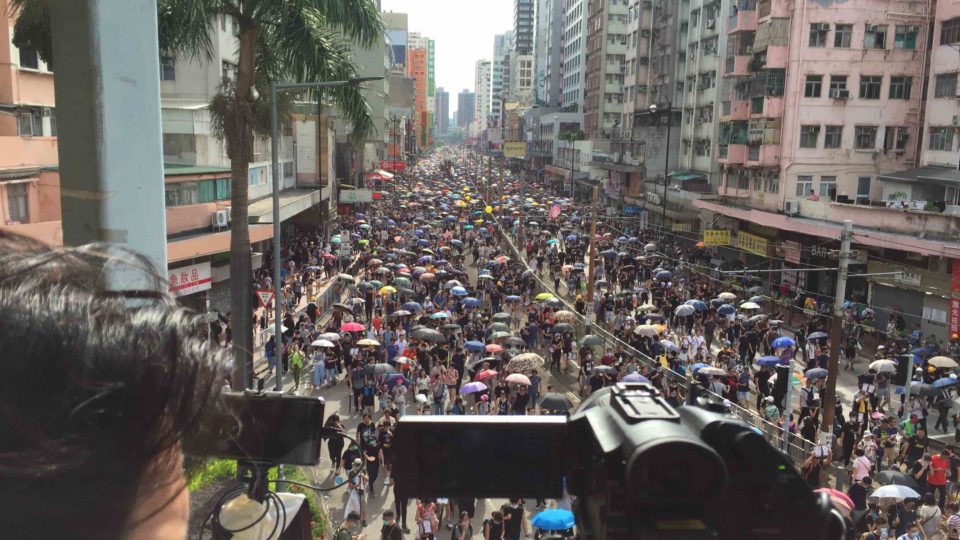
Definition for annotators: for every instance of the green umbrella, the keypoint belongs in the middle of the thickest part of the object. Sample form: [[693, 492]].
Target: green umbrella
[[401, 281]]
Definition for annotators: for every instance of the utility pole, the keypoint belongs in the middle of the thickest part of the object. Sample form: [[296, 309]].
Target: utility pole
[[592, 272], [836, 336]]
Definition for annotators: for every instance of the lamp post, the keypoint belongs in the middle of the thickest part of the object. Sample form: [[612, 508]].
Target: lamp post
[[275, 155], [666, 165]]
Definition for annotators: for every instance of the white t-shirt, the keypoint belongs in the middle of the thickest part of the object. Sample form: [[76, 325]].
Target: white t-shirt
[[861, 467]]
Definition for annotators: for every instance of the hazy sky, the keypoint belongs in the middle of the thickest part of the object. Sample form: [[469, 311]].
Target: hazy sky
[[463, 31]]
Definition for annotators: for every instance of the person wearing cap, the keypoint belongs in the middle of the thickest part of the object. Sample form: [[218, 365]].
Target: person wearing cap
[[915, 446], [357, 477], [770, 410]]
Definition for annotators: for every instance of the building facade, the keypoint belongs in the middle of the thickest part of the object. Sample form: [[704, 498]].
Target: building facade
[[417, 70], [605, 66], [523, 23], [574, 54], [465, 108], [442, 115], [481, 87], [548, 48], [501, 51]]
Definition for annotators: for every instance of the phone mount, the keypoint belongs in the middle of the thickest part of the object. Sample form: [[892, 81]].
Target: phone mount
[[255, 475]]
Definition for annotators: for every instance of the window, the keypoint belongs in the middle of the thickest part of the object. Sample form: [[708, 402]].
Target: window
[[863, 190], [17, 205], [207, 191], [30, 123], [168, 71], [223, 189], [818, 34], [896, 137], [941, 138], [743, 182], [804, 185], [842, 35], [865, 137], [950, 31], [933, 314], [828, 186], [900, 87], [837, 83], [905, 37], [875, 37], [832, 136], [813, 86], [809, 136], [228, 70], [945, 86], [870, 86], [29, 59]]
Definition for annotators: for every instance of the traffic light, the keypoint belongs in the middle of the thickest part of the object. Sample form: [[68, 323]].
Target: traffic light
[[904, 365]]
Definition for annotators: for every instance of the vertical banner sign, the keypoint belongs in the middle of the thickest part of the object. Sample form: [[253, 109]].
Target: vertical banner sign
[[430, 69], [716, 237], [791, 251], [955, 298]]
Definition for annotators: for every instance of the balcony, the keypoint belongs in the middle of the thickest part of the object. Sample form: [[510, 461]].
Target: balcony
[[743, 21], [766, 107], [735, 154], [737, 66], [739, 110], [777, 57], [764, 155], [910, 222], [27, 151]]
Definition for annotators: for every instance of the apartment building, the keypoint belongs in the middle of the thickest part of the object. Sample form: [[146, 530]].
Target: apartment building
[[481, 87], [605, 66], [548, 45], [501, 51], [574, 54]]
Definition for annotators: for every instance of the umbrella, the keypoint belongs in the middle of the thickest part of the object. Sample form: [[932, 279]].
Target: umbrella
[[698, 305], [918, 388], [710, 370], [944, 381], [514, 341], [726, 309], [883, 366], [555, 402], [352, 327], [494, 348], [543, 296], [387, 290], [728, 296], [684, 310], [498, 327], [379, 369], [395, 378], [323, 343], [816, 373], [921, 350], [271, 329], [693, 368], [635, 377], [669, 345], [402, 360], [818, 335], [768, 361], [896, 478], [758, 299], [591, 340], [400, 313], [499, 334], [749, 305], [525, 362], [458, 291], [783, 342], [473, 387], [646, 330], [562, 327], [942, 362], [452, 327], [428, 334], [440, 315], [894, 491], [329, 336], [519, 378], [565, 316], [343, 306], [471, 302], [485, 374], [368, 343], [501, 317], [553, 519], [412, 306], [474, 346], [603, 369], [344, 277], [664, 275]]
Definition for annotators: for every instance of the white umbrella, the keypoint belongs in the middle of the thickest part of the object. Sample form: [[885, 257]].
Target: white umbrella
[[884, 366], [645, 330], [749, 305], [942, 362], [271, 329], [728, 296], [669, 345], [894, 491], [519, 378], [710, 370], [684, 311], [323, 343], [330, 336]]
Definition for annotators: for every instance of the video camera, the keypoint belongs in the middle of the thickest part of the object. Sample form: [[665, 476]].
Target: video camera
[[638, 468]]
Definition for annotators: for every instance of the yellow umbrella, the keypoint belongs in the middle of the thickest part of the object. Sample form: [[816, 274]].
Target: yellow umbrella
[[368, 343], [387, 290], [543, 296]]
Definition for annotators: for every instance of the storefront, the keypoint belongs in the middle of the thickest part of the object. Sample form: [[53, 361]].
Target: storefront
[[188, 283], [916, 295]]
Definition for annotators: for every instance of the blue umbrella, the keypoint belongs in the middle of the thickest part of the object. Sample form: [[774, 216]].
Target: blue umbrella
[[768, 361], [512, 298], [697, 367], [698, 305], [783, 342], [945, 381], [440, 315], [458, 291], [921, 350], [571, 238], [635, 377], [475, 346], [457, 243], [553, 519], [818, 335], [816, 373], [471, 302], [413, 306], [726, 309], [423, 242]]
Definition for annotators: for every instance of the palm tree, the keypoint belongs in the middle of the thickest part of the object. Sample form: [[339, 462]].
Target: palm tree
[[279, 40]]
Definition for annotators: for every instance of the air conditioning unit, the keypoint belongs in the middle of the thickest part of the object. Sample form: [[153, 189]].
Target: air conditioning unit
[[839, 94], [47, 112], [823, 27], [645, 32], [218, 219], [229, 211], [711, 24], [791, 208], [956, 121], [615, 157]]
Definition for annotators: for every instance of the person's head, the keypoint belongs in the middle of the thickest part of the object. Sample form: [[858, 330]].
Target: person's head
[[464, 517], [929, 499], [913, 530], [367, 419], [866, 481], [497, 516], [352, 518], [921, 431], [388, 517], [882, 526], [108, 378], [858, 452]]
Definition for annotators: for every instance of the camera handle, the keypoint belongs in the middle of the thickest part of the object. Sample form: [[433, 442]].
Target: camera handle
[[255, 475]]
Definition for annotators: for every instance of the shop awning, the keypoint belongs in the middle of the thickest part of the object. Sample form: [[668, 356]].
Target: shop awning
[[292, 202], [930, 173], [684, 176]]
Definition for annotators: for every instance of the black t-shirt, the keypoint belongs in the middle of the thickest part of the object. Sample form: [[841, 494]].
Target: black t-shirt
[[917, 447], [512, 521], [367, 435], [858, 494], [391, 532]]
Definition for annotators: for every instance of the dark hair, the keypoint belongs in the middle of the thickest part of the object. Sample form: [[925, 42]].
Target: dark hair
[[99, 387], [929, 499]]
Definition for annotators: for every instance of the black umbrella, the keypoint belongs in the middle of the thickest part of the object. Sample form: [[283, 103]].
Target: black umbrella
[[452, 327], [515, 342], [555, 402], [429, 334], [379, 369], [562, 327], [897, 478]]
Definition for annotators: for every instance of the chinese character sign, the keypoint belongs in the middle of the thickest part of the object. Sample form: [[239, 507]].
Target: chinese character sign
[[752, 243], [189, 279], [791, 251], [955, 298], [716, 237]]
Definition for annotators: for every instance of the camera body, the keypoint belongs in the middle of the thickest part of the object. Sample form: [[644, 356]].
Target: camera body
[[638, 468]]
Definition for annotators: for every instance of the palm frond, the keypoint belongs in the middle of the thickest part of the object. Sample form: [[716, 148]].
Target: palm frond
[[358, 20], [32, 28], [185, 26]]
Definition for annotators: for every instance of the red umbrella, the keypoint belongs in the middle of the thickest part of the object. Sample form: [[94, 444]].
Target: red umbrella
[[494, 348], [329, 256], [352, 327], [485, 374]]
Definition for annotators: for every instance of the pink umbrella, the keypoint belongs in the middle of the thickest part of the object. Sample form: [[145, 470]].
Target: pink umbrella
[[352, 327], [494, 348], [485, 374], [519, 378]]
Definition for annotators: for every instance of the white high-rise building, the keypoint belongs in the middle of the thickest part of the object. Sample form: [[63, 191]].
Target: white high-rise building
[[482, 88], [574, 53], [548, 43], [501, 50]]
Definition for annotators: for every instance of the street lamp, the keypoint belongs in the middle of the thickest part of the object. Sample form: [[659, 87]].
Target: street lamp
[[275, 151], [666, 164]]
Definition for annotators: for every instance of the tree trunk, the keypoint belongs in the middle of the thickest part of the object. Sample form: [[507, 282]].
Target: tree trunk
[[238, 132]]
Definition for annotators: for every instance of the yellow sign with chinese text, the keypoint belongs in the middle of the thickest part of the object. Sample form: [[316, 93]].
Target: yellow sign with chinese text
[[752, 243], [514, 149], [716, 237]]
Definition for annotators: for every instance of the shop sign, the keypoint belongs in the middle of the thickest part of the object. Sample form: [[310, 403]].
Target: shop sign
[[752, 243], [716, 237], [908, 278], [514, 149], [791, 251], [681, 227], [190, 279], [955, 298], [631, 210], [353, 196]]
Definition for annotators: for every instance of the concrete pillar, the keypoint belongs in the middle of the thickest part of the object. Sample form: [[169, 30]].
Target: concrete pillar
[[106, 62]]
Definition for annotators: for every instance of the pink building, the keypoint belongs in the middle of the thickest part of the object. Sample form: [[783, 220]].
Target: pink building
[[29, 182], [823, 119]]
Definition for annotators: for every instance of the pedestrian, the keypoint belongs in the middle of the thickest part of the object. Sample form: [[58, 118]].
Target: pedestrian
[[427, 522], [515, 526], [335, 442], [296, 362], [390, 530], [357, 478], [493, 528], [349, 530], [463, 530]]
